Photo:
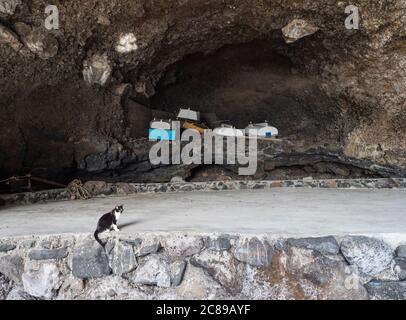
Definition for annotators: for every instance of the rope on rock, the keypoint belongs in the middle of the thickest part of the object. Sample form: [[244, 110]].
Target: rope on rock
[[78, 191]]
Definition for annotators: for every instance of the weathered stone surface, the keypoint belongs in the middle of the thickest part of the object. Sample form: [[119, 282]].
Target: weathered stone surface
[[89, 260], [197, 284], [222, 267], [400, 268], [9, 37], [12, 266], [98, 187], [153, 248], [182, 245], [38, 41], [43, 282], [127, 43], [153, 270], [388, 290], [9, 6], [370, 255], [177, 271], [401, 251], [300, 273], [4, 247], [48, 254], [121, 257], [133, 242], [254, 252], [5, 286], [97, 69], [96, 162], [217, 244], [18, 293], [297, 29], [326, 245]]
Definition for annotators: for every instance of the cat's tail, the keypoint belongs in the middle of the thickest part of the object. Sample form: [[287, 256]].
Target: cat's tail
[[96, 236]]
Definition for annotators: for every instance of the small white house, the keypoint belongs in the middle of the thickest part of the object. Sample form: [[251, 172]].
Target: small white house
[[160, 124], [262, 130], [188, 114], [228, 131]]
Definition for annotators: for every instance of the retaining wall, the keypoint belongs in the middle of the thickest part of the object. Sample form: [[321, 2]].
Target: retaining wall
[[203, 266]]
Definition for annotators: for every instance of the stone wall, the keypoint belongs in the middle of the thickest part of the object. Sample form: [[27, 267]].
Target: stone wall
[[102, 188], [202, 266]]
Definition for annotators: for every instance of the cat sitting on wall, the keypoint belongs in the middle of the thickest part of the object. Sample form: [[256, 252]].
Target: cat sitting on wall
[[108, 222]]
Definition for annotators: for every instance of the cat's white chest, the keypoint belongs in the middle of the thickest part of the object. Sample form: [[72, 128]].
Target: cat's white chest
[[117, 215]]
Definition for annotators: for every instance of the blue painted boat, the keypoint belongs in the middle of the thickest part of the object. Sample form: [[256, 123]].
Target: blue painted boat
[[161, 134]]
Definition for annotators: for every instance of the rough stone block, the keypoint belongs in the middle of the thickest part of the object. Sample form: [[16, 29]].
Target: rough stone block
[[370, 255], [254, 252], [89, 260], [12, 266], [48, 254], [325, 245]]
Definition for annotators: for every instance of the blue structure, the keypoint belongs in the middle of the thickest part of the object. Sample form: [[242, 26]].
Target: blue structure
[[161, 134]]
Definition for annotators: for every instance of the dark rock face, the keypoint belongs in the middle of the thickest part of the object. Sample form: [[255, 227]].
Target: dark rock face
[[4, 247], [89, 260], [218, 244], [48, 254], [370, 255], [390, 290], [326, 245], [61, 106], [254, 252]]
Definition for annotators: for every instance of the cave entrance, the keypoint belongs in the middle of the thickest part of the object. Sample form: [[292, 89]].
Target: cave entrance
[[254, 82], [250, 82]]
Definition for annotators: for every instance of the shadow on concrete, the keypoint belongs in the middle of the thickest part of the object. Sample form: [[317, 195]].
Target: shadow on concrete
[[128, 224]]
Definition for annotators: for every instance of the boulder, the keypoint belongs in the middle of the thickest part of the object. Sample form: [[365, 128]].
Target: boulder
[[298, 29], [121, 257], [44, 282], [177, 271], [89, 260], [153, 270], [221, 243], [48, 254], [370, 255], [127, 43], [12, 266], [182, 245], [5, 286], [4, 247], [325, 245], [400, 268], [38, 40], [401, 251], [222, 267], [97, 69], [9, 37], [386, 290], [8, 7], [18, 293], [254, 252], [153, 248]]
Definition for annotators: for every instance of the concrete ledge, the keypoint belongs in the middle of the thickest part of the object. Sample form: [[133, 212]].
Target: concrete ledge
[[101, 188], [203, 266]]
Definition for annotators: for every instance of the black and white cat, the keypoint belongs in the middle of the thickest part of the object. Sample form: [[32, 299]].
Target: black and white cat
[[108, 222]]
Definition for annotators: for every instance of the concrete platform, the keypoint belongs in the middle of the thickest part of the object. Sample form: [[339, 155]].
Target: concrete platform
[[276, 211]]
